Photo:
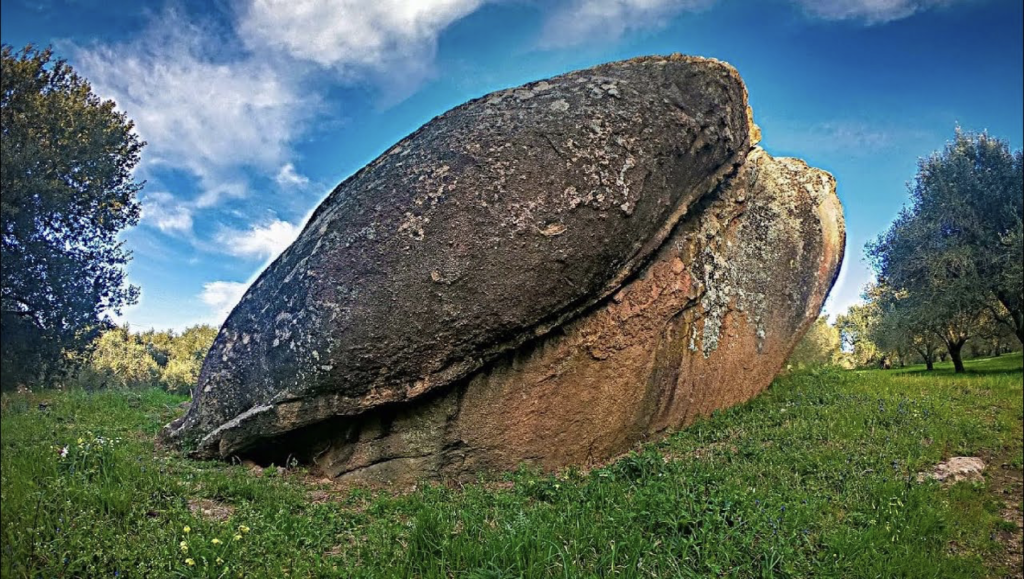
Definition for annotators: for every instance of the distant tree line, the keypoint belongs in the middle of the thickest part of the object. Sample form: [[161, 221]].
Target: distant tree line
[[949, 268], [121, 359]]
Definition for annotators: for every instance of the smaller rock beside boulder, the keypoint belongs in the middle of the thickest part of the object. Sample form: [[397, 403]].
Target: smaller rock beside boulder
[[956, 469]]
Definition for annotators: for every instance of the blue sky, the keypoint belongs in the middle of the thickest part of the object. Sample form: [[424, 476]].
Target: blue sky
[[255, 109]]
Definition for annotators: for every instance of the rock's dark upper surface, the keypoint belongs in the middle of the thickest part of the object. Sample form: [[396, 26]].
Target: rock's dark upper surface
[[492, 224]]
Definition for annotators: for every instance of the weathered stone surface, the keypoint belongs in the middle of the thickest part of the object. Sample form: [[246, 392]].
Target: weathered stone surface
[[705, 325], [546, 274], [956, 469]]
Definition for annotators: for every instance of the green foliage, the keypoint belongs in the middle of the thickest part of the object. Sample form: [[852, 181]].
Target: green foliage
[[67, 191], [183, 355], [855, 332], [953, 255], [899, 329], [820, 346], [121, 359], [815, 478]]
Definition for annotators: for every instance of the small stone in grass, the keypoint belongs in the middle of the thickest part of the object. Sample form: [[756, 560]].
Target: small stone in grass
[[956, 469]]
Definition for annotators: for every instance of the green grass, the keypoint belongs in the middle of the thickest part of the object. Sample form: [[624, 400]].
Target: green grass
[[815, 478]]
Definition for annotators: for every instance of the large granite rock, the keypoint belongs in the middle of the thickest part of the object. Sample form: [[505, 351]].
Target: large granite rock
[[547, 274]]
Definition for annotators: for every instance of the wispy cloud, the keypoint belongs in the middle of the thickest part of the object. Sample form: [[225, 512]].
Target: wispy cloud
[[227, 116], [222, 297], [588, 21], [207, 117], [831, 136], [391, 43], [869, 11], [161, 210], [289, 177], [261, 241], [598, 21], [849, 137]]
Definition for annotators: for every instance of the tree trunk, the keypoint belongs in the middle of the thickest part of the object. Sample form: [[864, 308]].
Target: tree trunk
[[954, 354], [928, 355], [1016, 317]]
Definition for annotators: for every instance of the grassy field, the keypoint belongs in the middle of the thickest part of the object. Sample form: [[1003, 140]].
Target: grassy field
[[816, 478]]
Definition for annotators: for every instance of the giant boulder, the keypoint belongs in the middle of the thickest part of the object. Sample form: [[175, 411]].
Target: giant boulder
[[546, 274]]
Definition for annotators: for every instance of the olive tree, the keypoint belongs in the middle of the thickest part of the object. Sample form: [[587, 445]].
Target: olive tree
[[954, 251], [900, 328]]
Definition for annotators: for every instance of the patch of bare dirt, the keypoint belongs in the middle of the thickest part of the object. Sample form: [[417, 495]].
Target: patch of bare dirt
[[210, 510], [1007, 483]]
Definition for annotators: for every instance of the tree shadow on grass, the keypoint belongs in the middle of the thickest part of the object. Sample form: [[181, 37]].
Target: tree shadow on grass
[[1005, 365]]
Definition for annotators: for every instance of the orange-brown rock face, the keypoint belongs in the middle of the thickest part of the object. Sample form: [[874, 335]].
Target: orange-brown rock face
[[546, 275], [707, 324]]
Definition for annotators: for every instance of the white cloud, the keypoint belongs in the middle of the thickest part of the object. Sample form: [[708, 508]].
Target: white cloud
[[218, 191], [265, 241], [222, 296], [208, 117], [869, 11], [586, 21], [583, 21], [163, 211], [391, 42], [289, 177], [849, 137], [853, 137]]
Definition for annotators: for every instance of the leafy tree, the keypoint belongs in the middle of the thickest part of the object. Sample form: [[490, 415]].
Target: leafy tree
[[185, 357], [993, 338], [158, 344], [954, 251], [120, 359], [67, 191], [1008, 308], [818, 347], [899, 328], [855, 332]]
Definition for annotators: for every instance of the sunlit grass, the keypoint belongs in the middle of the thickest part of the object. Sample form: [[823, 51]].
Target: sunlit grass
[[815, 478]]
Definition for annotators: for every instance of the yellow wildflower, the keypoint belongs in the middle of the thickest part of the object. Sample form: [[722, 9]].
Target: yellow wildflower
[[184, 546], [190, 562], [238, 537], [243, 528], [220, 561], [216, 541], [187, 529]]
